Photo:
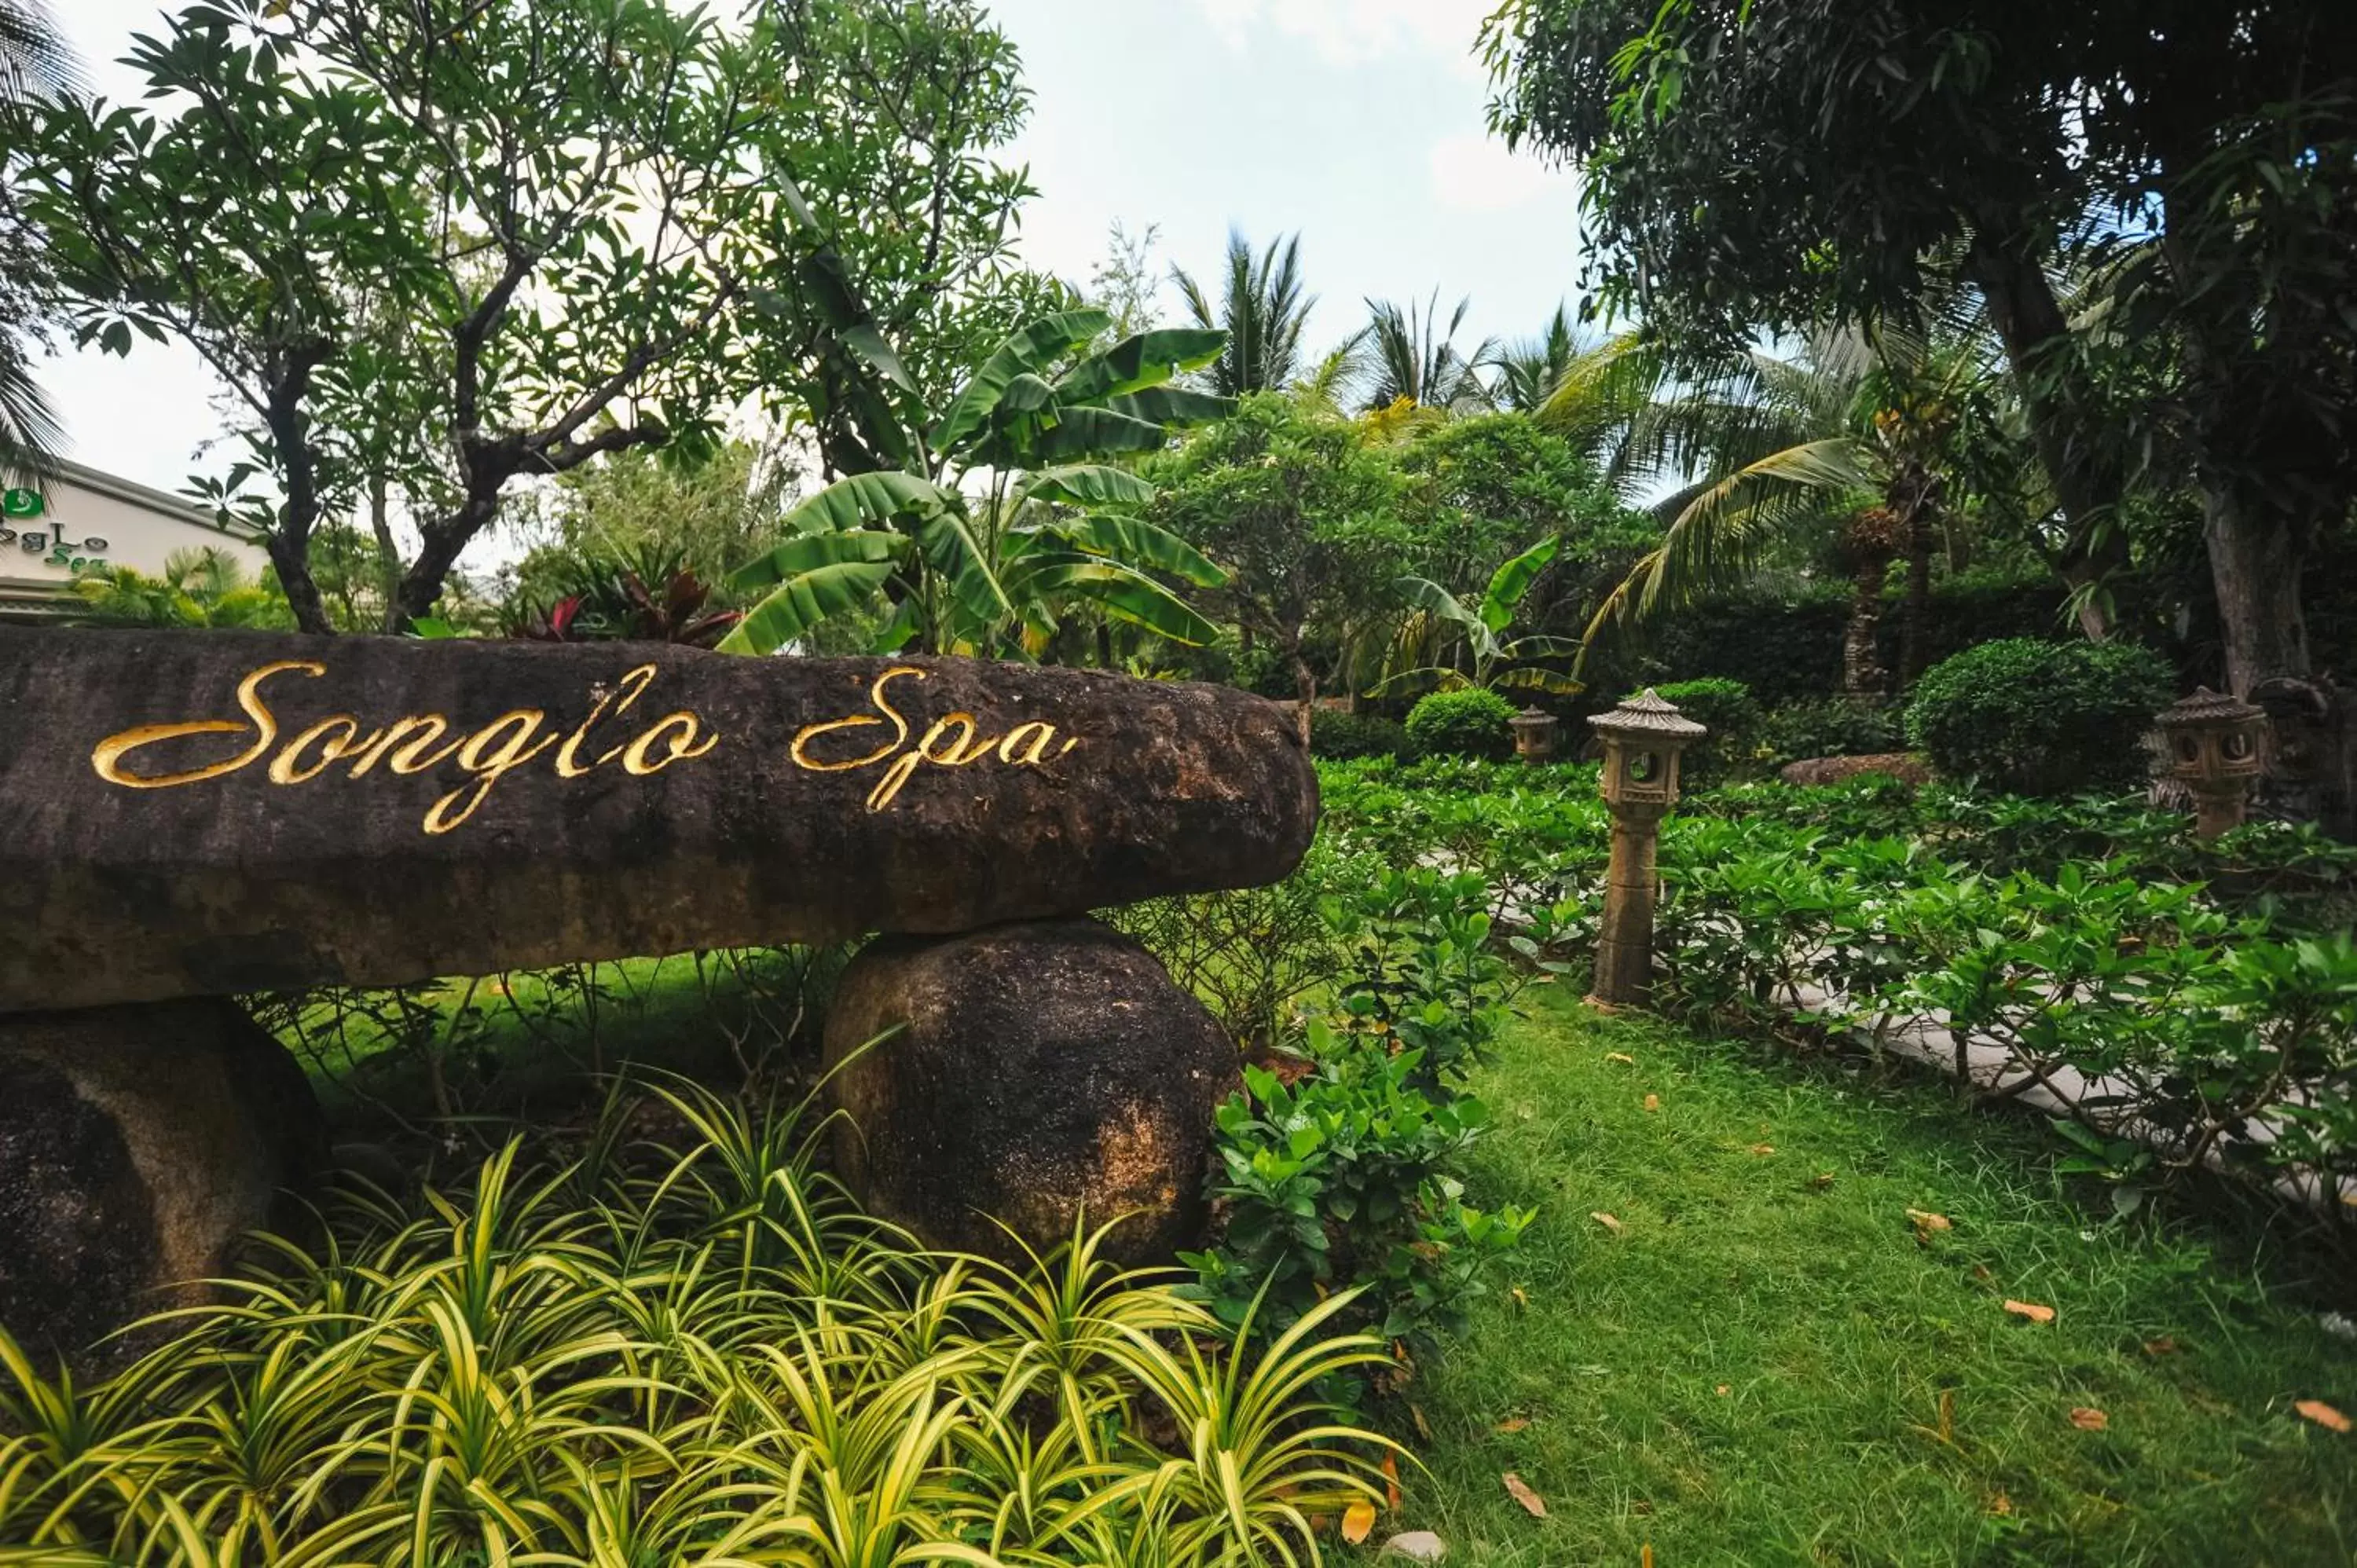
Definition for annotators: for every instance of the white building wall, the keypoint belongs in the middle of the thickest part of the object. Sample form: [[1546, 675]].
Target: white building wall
[[88, 517]]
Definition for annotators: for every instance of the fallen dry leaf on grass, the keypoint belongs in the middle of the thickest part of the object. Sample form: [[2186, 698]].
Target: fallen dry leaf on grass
[[1930, 1221], [1608, 1222], [2089, 1420], [1521, 1298], [1621, 1057], [2163, 1345], [2323, 1414], [1653, 1102], [1763, 1148], [2030, 1310], [1724, 1390], [1423, 1427], [1358, 1522], [1513, 1423], [1533, 1504], [2000, 1505], [1391, 1482], [1821, 1180]]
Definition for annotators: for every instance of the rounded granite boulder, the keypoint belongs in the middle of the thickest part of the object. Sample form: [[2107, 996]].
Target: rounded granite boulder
[[1040, 1072], [137, 1145]]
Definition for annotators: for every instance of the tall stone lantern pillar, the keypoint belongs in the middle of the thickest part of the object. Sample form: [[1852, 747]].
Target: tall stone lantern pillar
[[1642, 739], [2213, 742]]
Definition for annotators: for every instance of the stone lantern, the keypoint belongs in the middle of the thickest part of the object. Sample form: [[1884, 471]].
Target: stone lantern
[[1642, 739], [1533, 730], [2212, 743]]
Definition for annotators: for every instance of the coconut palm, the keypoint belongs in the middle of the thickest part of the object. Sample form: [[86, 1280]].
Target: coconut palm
[[1528, 372], [1416, 361], [1262, 308], [35, 64], [1850, 438]]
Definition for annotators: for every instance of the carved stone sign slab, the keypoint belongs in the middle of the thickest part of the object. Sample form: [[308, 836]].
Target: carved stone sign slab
[[192, 813]]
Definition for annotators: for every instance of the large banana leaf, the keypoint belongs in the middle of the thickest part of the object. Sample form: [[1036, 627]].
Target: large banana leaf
[[1431, 597], [1032, 348], [1173, 405], [1122, 592], [805, 600], [1426, 678], [958, 557], [809, 551], [1087, 483], [1077, 435], [1133, 541], [1511, 582], [1531, 679], [860, 500], [1146, 359]]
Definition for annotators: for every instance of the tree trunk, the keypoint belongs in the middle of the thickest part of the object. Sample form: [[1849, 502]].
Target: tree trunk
[[1862, 673], [293, 562], [2255, 566], [1305, 684], [444, 537], [388, 553], [1104, 645], [2011, 275]]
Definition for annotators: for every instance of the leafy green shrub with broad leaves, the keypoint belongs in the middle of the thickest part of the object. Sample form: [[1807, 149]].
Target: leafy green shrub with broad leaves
[[1339, 1167], [1471, 722], [694, 1353], [2040, 718], [1725, 707], [1347, 736], [1829, 726]]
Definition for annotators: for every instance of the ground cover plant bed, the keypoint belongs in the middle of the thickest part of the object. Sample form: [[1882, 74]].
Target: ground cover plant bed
[[678, 1344]]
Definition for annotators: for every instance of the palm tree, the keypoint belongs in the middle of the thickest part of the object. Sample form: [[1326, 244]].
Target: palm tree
[[1528, 372], [1263, 310], [35, 64], [1851, 437], [1417, 364]]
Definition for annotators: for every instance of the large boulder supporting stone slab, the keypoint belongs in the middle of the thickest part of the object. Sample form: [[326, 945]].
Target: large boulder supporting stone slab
[[1042, 1070], [138, 1144], [201, 813]]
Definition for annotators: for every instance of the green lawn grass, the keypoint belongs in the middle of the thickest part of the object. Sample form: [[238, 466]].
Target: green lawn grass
[[1753, 1370]]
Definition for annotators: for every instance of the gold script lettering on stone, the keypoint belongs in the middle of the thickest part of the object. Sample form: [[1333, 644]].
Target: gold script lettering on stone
[[409, 744], [953, 740]]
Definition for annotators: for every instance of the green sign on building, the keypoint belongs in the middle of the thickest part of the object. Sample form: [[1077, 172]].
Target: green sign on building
[[22, 503]]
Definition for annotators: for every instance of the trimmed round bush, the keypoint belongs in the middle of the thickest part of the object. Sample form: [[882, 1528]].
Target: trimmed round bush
[[2041, 718], [1468, 723], [1724, 706], [1344, 737]]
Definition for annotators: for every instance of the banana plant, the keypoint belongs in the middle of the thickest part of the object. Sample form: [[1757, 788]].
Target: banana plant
[[1011, 507], [1483, 629]]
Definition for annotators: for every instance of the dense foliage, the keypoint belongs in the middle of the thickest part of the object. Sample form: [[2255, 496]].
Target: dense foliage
[[2040, 718], [1473, 722], [2176, 1003], [681, 1343]]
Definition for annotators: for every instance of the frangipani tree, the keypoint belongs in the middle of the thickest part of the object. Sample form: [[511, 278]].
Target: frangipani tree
[[1499, 662], [1012, 506]]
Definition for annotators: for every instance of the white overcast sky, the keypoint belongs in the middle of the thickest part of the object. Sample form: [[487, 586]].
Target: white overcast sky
[[1358, 123]]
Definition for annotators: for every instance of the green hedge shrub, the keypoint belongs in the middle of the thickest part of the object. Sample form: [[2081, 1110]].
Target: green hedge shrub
[[2040, 718], [1346, 736], [1724, 706], [1469, 722], [1830, 726]]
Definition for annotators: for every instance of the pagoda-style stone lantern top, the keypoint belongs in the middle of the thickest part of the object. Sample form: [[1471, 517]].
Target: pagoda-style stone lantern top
[[2212, 740], [1533, 730], [2213, 737], [1642, 739]]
